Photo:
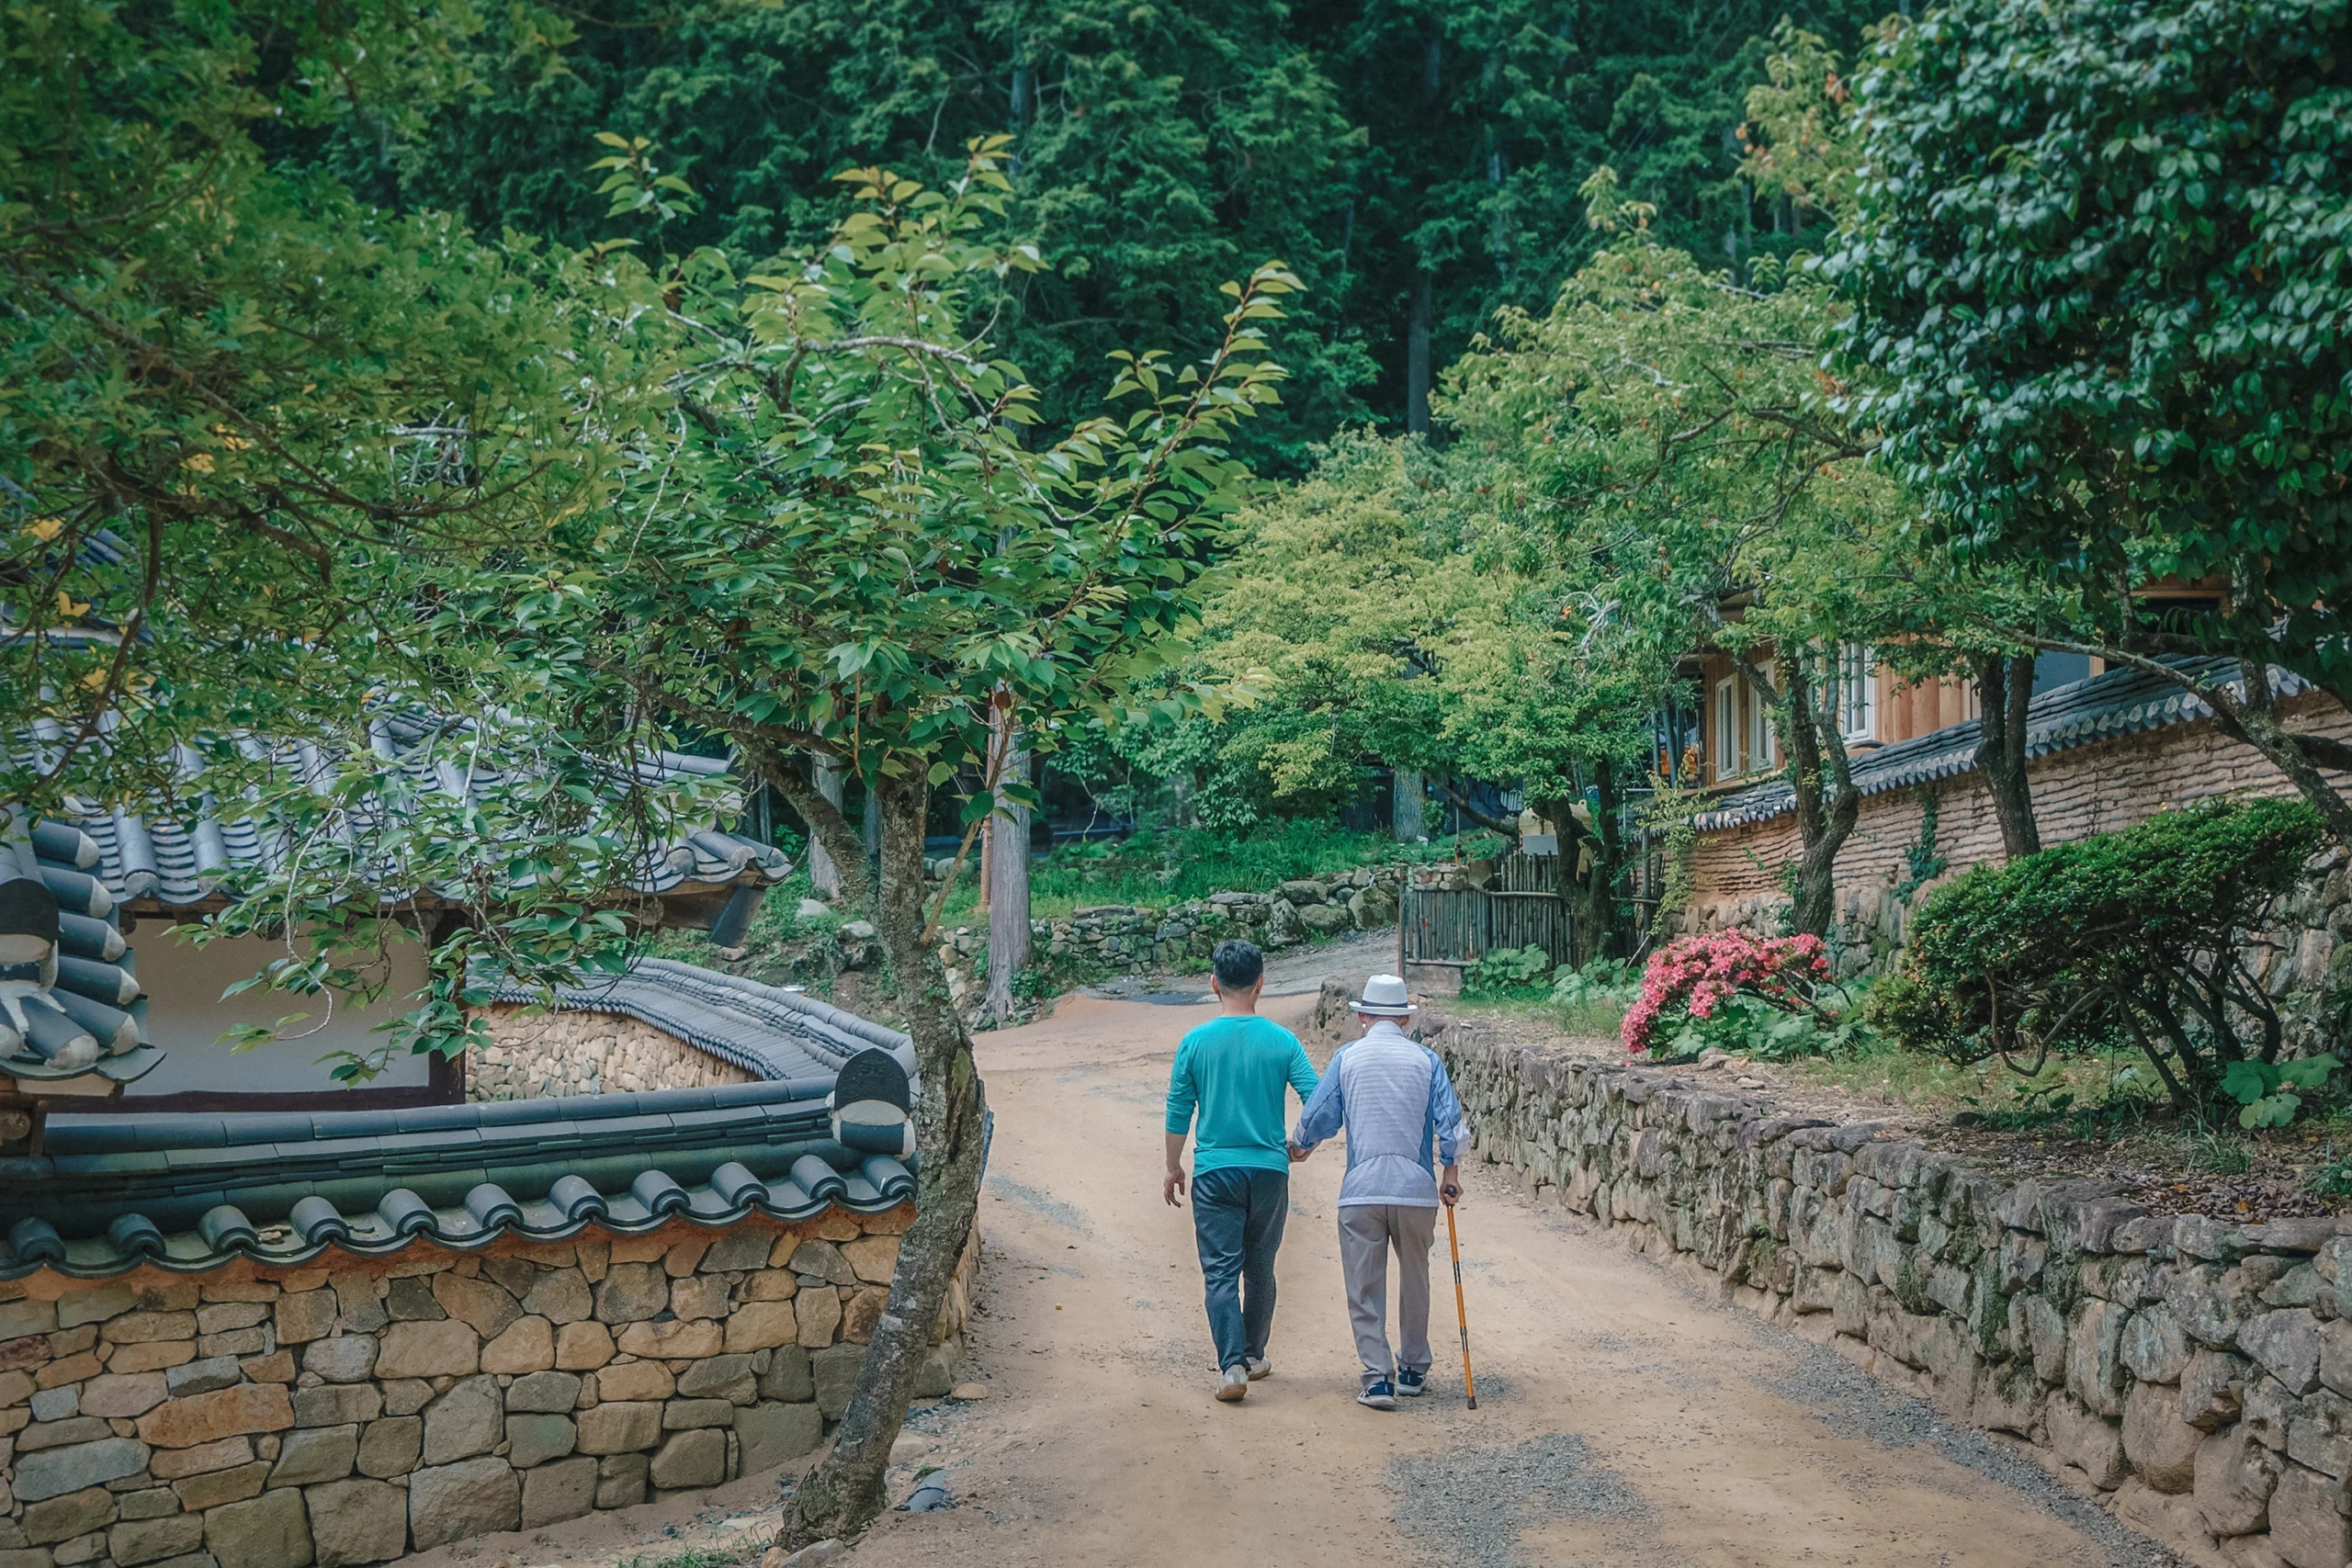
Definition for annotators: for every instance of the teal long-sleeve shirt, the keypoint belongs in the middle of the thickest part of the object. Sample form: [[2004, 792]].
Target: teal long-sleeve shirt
[[1231, 1071]]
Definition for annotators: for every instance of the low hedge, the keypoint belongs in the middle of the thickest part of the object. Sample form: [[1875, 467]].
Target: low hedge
[[2144, 933]]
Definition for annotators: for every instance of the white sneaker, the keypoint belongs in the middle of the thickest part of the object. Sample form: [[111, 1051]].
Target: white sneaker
[[1260, 1367], [1236, 1384]]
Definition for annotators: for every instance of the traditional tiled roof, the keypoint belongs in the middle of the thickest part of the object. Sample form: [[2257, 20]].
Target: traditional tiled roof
[[2081, 713], [778, 1034], [190, 1193], [173, 856], [74, 1023]]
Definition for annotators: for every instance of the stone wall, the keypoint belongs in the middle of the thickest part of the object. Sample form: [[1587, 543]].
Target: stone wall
[[267, 1418], [1120, 939], [2195, 1372], [585, 1053]]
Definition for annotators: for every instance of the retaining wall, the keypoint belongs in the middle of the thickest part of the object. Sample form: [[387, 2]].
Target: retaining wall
[[2196, 1373], [1123, 940], [260, 1417]]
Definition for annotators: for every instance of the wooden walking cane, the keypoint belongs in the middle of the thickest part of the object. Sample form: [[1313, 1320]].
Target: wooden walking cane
[[1461, 1311]]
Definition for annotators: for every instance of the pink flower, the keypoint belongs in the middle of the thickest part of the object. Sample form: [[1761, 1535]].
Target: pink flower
[[1691, 976]]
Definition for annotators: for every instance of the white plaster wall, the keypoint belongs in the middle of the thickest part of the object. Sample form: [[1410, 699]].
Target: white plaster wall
[[187, 1017]]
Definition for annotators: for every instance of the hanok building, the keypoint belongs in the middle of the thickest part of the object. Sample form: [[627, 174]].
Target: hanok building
[[245, 1326], [163, 867], [2105, 750]]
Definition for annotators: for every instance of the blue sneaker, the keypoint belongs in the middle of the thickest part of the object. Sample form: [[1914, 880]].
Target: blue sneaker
[[1379, 1395], [1412, 1381]]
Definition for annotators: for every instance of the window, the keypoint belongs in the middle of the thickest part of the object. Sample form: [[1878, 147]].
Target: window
[[1726, 726], [1857, 695], [1763, 749]]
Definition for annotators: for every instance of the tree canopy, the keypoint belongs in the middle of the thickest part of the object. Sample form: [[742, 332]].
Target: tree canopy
[[1412, 164], [2097, 270]]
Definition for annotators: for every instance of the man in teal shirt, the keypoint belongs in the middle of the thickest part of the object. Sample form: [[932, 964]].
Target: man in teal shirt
[[1232, 1071]]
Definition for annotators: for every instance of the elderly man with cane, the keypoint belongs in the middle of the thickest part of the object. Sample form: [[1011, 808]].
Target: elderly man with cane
[[1392, 1095]]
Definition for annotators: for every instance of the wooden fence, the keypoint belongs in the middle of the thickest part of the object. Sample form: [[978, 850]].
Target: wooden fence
[[1454, 926]]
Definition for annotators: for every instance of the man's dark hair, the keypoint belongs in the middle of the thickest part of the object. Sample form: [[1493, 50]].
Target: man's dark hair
[[1239, 964]]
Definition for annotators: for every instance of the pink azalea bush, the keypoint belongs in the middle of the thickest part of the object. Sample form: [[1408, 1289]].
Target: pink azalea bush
[[1690, 975]]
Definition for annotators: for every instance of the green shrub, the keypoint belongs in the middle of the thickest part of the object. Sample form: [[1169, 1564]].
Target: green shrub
[[1507, 971], [2142, 934], [1605, 982], [1750, 1026]]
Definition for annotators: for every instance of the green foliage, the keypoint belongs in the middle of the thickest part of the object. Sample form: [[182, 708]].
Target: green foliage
[[1505, 971], [1604, 980], [1749, 1026], [1324, 626], [1155, 869], [1592, 1000], [825, 452], [2333, 1179], [2143, 932], [238, 410], [2098, 269], [1922, 862], [1163, 149], [2267, 1090]]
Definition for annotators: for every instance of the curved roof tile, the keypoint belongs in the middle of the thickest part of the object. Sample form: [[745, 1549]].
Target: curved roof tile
[[775, 1034], [174, 861], [188, 1194]]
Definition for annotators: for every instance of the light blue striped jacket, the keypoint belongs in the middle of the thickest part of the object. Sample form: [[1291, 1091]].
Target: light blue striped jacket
[[1392, 1095]]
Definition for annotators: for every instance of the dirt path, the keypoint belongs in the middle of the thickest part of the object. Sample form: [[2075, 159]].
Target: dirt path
[[1622, 1419]]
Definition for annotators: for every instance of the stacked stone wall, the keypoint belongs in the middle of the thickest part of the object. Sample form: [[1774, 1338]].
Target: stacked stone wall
[[2197, 1374], [543, 1054], [357, 1409], [1133, 941]]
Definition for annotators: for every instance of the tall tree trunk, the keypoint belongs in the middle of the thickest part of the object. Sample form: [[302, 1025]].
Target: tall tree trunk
[[1007, 833], [1407, 805], [844, 1494], [827, 828], [872, 826], [823, 872], [1826, 809], [1416, 328], [1416, 357], [2004, 690], [1591, 867]]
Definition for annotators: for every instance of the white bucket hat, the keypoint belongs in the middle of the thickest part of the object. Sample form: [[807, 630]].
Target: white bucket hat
[[1384, 997]]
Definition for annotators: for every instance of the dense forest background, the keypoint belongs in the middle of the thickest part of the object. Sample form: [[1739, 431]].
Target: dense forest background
[[1415, 164]]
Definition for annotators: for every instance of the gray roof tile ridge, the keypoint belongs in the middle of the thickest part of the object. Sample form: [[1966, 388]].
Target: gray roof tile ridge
[[760, 999], [759, 1028]]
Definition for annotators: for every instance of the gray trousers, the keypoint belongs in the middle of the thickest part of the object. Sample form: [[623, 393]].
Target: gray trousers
[[1366, 1234]]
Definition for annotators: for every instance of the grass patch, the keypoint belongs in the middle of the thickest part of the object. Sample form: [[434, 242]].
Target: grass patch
[[2101, 1096], [2206, 1150], [1589, 1018]]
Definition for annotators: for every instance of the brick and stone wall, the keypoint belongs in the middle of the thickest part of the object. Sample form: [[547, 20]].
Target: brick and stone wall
[[555, 1054], [2092, 789], [2198, 1373], [360, 1408]]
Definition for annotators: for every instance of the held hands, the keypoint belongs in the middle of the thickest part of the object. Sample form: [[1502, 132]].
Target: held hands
[[1172, 1188], [1298, 1151]]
